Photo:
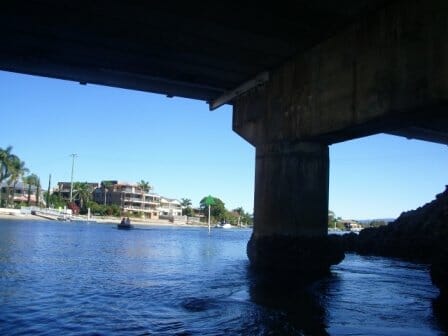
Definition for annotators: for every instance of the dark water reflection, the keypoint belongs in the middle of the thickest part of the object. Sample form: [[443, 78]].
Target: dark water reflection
[[70, 279]]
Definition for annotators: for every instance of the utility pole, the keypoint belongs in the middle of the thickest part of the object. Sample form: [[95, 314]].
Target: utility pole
[[71, 180], [48, 191]]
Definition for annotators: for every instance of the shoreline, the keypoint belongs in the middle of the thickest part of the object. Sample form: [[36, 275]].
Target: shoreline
[[112, 220]]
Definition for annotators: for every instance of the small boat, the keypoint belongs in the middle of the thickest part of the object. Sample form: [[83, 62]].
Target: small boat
[[124, 226], [223, 226]]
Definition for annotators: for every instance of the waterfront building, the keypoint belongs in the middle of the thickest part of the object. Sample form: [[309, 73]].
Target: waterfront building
[[170, 207], [19, 193], [351, 225], [129, 197], [63, 189]]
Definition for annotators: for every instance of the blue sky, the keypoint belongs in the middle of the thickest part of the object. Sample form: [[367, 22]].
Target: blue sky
[[186, 151]]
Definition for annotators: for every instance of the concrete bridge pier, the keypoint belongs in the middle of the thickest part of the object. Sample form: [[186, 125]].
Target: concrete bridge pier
[[291, 210]]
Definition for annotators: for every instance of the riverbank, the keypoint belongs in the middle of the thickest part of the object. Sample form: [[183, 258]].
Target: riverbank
[[419, 235], [15, 214]]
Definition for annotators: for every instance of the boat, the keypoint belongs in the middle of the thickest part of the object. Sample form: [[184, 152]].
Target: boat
[[124, 226], [223, 226]]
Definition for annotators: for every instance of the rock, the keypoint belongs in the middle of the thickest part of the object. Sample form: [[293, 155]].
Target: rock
[[418, 235]]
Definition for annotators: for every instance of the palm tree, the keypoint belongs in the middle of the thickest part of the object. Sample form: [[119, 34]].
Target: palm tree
[[18, 169], [186, 207], [144, 187], [106, 185], [82, 193], [240, 212], [185, 202], [5, 164], [32, 180]]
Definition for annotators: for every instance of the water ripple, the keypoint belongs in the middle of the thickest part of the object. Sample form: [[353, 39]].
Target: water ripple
[[78, 279]]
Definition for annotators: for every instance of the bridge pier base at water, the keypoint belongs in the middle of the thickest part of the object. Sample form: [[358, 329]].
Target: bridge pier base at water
[[291, 210]]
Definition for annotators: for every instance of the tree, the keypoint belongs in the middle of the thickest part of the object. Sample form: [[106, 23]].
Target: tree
[[377, 223], [331, 219], [17, 169], [82, 193], [5, 166], [185, 202], [55, 200], [144, 186], [217, 210], [32, 180], [240, 212], [106, 185], [186, 207]]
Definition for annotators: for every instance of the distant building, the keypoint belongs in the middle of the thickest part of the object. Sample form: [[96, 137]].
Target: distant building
[[170, 207], [351, 225], [19, 193], [63, 189], [129, 197]]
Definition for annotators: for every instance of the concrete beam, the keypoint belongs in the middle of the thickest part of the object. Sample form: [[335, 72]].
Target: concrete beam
[[386, 72]]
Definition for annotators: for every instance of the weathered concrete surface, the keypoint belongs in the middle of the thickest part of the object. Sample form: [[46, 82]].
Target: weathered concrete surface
[[291, 189], [296, 258], [383, 74], [291, 202], [387, 73]]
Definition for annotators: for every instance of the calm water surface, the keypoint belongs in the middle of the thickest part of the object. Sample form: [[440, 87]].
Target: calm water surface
[[91, 279]]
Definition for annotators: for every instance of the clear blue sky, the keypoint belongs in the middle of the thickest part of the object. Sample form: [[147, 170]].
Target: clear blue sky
[[186, 151]]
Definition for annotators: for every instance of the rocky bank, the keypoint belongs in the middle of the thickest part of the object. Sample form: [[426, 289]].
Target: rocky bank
[[419, 235]]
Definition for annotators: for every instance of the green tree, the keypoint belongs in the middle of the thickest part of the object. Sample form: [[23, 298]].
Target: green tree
[[106, 186], [332, 221], [5, 166], [217, 210], [55, 200], [32, 180], [82, 194], [17, 169], [185, 202], [240, 212], [144, 187], [377, 223], [186, 207]]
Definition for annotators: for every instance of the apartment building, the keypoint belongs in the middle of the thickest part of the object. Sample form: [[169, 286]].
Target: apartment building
[[129, 197]]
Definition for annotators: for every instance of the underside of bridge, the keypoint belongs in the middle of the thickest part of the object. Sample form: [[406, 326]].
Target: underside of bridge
[[300, 76]]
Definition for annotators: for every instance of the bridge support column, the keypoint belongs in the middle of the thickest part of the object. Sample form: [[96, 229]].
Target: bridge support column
[[291, 210]]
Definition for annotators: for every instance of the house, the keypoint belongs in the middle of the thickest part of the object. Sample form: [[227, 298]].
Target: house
[[170, 207], [63, 189], [129, 197], [351, 225], [19, 193]]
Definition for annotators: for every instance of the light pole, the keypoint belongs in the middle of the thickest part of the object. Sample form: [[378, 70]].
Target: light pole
[[209, 201], [71, 180]]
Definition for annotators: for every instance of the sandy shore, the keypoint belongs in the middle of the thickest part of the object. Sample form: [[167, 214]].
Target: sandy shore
[[4, 215], [108, 220]]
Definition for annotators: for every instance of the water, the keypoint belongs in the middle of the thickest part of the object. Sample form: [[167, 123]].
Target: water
[[91, 279]]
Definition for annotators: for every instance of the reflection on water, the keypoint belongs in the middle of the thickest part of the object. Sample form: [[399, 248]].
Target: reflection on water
[[65, 278], [296, 307]]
